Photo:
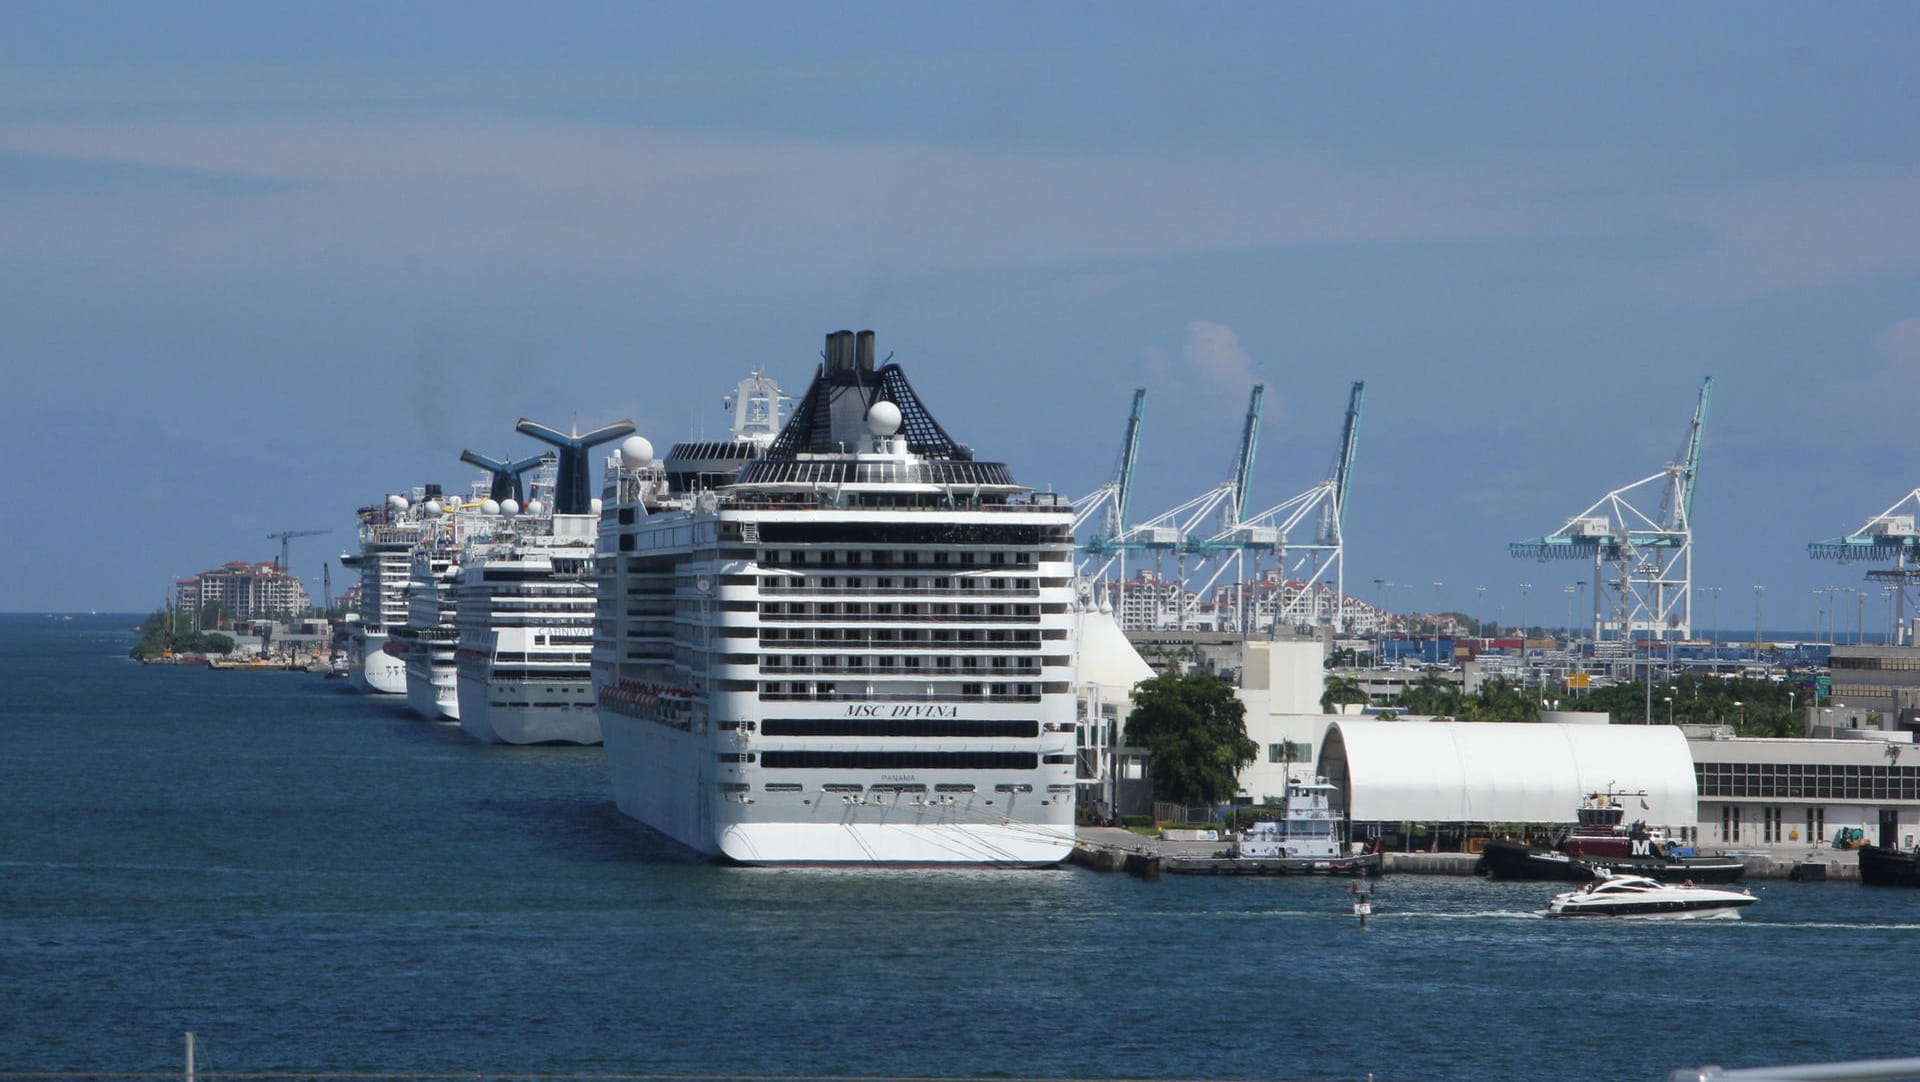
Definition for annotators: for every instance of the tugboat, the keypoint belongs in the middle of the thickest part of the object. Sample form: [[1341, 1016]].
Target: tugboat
[[1601, 843], [1648, 899], [1883, 867], [1305, 840]]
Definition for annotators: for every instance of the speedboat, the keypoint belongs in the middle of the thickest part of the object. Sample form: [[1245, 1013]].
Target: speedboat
[[1639, 896]]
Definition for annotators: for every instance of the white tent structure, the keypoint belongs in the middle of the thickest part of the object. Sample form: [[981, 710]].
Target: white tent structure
[[1487, 772]]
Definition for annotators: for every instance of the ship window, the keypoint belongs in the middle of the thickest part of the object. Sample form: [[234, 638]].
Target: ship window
[[840, 787], [783, 787], [1004, 788], [1058, 760], [953, 787]]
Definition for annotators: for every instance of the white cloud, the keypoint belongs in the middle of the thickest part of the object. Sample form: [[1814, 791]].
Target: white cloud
[[1213, 350], [1900, 342]]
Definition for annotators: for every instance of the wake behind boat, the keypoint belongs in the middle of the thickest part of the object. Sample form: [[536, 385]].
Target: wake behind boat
[[1639, 897]]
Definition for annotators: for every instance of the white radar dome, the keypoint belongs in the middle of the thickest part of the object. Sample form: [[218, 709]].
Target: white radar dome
[[398, 503], [490, 507], [883, 418], [594, 505], [509, 507], [636, 452], [432, 507], [533, 507]]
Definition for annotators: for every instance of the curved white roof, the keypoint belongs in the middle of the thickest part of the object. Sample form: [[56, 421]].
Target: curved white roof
[[1489, 772], [1104, 656]]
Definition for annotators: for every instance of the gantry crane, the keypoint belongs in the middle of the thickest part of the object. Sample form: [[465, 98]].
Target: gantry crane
[[1114, 499], [1314, 563], [1889, 535], [1642, 563], [1174, 532]]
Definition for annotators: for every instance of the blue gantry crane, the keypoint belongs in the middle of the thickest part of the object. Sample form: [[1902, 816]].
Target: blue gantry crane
[[1890, 536], [1642, 561]]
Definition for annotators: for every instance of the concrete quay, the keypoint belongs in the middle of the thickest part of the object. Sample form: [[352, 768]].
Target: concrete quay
[[1110, 849]]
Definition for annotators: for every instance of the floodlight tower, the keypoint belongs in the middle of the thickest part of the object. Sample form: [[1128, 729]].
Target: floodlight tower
[[1648, 558], [1889, 535]]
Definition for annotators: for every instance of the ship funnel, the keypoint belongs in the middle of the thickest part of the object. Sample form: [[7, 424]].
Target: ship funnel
[[505, 474], [572, 495], [863, 351], [839, 352]]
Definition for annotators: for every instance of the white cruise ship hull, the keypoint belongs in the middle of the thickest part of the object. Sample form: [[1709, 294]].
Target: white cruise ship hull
[[653, 768], [432, 692], [515, 713], [374, 671]]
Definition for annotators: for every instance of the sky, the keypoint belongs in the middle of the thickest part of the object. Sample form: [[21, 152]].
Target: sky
[[263, 264]]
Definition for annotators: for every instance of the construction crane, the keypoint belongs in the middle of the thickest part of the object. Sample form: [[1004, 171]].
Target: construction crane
[[1112, 499], [1642, 563], [285, 536], [1889, 535], [1315, 564], [1173, 532]]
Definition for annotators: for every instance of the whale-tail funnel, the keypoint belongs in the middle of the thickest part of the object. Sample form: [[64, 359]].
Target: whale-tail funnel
[[505, 474], [573, 495]]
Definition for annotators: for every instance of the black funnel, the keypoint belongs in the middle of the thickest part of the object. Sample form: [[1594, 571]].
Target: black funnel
[[573, 495], [506, 475]]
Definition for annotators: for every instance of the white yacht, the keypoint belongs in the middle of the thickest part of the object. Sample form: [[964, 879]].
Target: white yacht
[[389, 530], [858, 651], [525, 597], [1636, 896]]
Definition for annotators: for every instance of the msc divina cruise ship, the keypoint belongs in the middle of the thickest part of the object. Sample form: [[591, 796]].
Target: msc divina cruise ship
[[856, 649]]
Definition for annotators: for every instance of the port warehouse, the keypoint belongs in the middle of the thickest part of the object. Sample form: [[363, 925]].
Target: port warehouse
[[1425, 784]]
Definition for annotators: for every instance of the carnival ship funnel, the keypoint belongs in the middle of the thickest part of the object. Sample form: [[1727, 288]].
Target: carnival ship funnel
[[505, 474], [573, 495]]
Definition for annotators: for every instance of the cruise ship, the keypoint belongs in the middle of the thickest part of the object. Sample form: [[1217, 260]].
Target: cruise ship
[[847, 642], [426, 643], [525, 598], [389, 531]]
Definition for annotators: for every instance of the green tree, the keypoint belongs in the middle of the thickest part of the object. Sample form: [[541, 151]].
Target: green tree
[[1342, 690], [1195, 733]]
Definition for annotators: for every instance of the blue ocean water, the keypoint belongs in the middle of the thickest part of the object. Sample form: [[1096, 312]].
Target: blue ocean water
[[312, 881]]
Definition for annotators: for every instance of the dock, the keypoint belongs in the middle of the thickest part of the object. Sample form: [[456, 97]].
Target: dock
[[1110, 849]]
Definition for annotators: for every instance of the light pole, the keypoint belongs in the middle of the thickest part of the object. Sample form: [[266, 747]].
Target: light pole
[[1480, 603], [1436, 621], [1524, 587], [1669, 710], [1758, 591], [1713, 592], [1742, 707]]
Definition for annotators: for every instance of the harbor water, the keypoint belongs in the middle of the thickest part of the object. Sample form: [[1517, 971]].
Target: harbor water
[[312, 881]]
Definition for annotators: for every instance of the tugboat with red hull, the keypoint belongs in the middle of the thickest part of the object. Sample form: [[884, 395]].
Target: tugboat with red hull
[[1602, 843]]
